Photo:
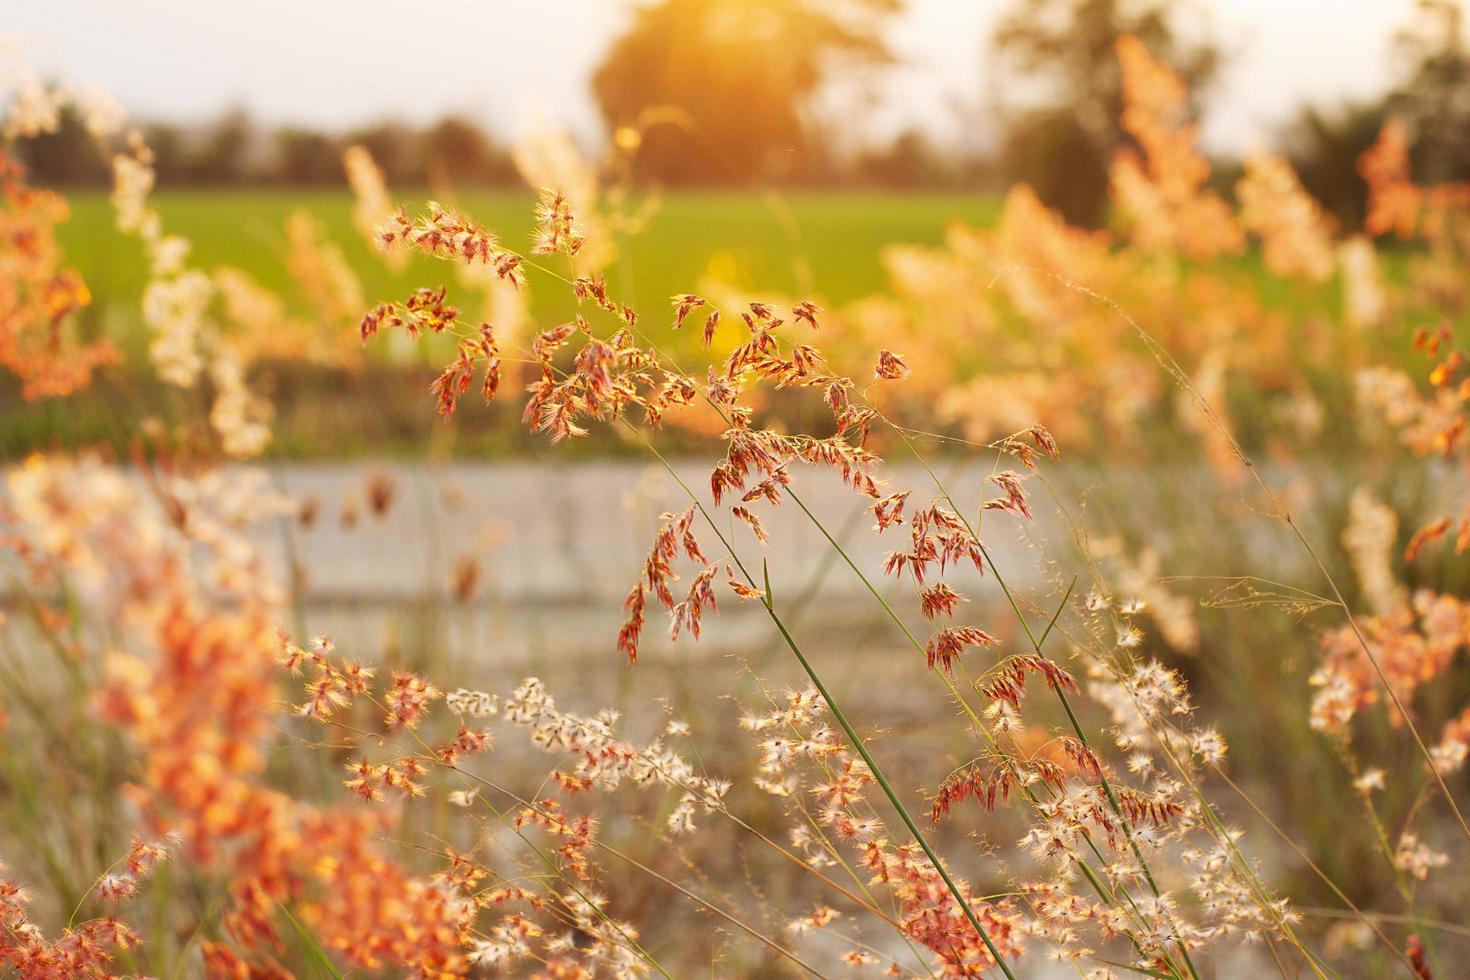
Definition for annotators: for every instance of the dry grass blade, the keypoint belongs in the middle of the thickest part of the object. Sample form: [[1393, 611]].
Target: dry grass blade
[[1181, 378], [1253, 592]]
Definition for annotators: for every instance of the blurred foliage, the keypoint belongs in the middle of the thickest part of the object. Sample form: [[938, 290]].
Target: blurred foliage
[[722, 88], [1431, 95], [1323, 146], [722, 92], [1063, 101], [836, 237], [68, 156], [235, 150]]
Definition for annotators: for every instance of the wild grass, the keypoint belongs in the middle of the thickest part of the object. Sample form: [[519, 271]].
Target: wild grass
[[824, 242], [1209, 722]]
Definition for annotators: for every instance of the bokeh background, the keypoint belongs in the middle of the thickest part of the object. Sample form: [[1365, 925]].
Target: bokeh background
[[866, 155]]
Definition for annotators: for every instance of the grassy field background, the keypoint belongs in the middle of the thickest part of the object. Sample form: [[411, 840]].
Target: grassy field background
[[823, 245], [766, 242]]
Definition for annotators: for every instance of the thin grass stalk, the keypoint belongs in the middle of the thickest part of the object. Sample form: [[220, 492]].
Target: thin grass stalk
[[837, 713], [853, 737], [1061, 695], [1312, 960], [1239, 861], [540, 853], [1243, 866], [978, 723], [316, 954], [1080, 538], [634, 944], [1172, 366], [719, 807], [892, 615], [1365, 917], [696, 899]]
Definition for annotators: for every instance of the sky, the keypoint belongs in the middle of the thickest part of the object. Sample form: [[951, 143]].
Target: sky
[[514, 65]]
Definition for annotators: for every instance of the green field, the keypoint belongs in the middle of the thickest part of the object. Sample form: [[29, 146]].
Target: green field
[[823, 245], [820, 243]]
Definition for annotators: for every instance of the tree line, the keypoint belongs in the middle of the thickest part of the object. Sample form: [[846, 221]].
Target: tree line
[[736, 91], [234, 149]]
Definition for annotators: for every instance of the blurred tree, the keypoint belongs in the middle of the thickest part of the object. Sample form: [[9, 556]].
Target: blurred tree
[[1433, 95], [909, 161], [395, 148], [223, 153], [67, 157], [306, 156], [458, 152], [1324, 147], [1060, 89], [1063, 162], [742, 75], [172, 162]]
